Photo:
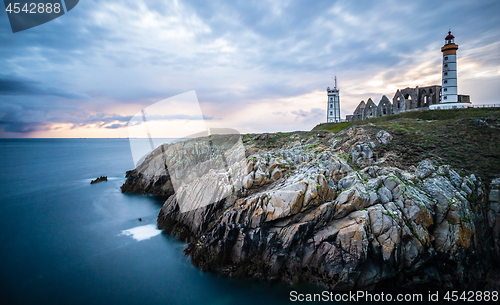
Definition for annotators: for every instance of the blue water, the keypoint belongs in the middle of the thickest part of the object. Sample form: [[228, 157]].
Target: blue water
[[62, 243]]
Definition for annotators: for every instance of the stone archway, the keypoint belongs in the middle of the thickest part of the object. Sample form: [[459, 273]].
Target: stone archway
[[423, 99]]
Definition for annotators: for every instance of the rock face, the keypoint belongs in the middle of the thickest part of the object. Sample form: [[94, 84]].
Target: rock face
[[331, 213], [99, 179], [150, 177]]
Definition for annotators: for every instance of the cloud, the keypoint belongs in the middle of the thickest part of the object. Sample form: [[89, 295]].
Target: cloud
[[157, 117], [104, 61], [26, 119], [115, 126], [307, 116], [13, 85], [300, 112], [104, 118]]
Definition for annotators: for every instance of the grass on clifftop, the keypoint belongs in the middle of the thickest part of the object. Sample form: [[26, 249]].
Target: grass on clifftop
[[466, 139]]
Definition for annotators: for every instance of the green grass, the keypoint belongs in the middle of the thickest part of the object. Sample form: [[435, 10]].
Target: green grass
[[457, 137], [429, 115], [334, 127]]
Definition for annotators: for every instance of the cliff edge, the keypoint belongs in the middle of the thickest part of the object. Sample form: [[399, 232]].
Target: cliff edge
[[339, 210]]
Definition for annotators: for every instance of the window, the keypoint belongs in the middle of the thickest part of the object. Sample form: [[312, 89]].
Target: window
[[446, 58], [446, 65], [445, 81], [445, 97], [445, 73], [331, 112], [331, 99], [445, 89]]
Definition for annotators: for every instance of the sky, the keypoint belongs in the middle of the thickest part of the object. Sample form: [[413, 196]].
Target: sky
[[255, 66]]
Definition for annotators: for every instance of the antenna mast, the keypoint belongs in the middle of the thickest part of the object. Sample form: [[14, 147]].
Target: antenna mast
[[335, 78]]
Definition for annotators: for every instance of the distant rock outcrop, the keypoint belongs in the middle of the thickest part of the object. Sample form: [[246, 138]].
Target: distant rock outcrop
[[328, 210], [99, 179]]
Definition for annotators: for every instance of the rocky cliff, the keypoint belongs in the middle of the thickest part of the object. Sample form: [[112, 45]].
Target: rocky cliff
[[333, 209]]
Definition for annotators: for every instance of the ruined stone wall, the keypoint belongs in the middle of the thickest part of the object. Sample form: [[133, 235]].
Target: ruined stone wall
[[463, 98], [404, 100]]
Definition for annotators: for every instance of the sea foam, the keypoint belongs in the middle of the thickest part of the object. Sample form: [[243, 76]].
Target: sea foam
[[142, 232]]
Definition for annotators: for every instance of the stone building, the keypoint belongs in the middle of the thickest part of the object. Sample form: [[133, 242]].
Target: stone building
[[413, 98], [420, 98]]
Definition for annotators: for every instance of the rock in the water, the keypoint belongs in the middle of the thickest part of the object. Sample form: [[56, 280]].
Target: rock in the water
[[99, 179]]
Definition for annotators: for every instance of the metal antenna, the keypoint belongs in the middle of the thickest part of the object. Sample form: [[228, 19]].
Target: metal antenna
[[335, 78]]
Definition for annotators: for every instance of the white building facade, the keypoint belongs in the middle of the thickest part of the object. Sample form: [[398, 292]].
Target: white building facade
[[333, 104]]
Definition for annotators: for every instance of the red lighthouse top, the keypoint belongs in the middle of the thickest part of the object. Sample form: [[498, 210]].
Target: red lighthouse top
[[449, 36]]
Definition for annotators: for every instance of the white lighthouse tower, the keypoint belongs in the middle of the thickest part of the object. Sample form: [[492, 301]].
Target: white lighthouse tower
[[333, 104], [449, 92]]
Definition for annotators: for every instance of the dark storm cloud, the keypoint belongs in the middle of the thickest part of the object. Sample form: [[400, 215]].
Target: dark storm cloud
[[11, 119], [12, 124], [26, 119], [11, 85]]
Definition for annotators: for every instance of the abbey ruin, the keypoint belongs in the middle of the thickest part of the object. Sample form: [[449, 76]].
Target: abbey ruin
[[419, 98]]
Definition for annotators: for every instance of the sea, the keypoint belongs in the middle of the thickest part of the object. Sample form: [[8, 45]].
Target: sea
[[65, 241]]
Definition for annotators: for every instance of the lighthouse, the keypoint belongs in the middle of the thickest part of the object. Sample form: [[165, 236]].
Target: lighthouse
[[333, 104], [449, 93]]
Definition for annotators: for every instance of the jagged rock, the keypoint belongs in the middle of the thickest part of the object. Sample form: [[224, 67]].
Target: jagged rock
[[304, 214], [425, 169], [362, 153], [150, 177], [385, 195], [99, 179], [494, 214], [384, 137]]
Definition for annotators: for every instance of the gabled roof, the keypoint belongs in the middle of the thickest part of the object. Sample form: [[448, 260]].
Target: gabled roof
[[360, 108], [370, 104], [384, 101]]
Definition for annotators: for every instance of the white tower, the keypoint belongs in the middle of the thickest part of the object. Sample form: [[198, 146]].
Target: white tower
[[449, 92], [333, 105]]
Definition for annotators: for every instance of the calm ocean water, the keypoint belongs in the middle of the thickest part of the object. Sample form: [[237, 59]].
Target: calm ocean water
[[64, 241]]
